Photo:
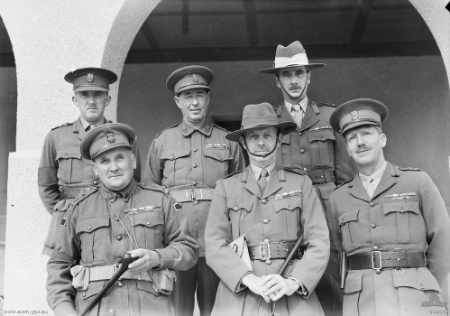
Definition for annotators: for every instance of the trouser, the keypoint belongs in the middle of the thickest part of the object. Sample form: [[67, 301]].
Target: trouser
[[201, 279]]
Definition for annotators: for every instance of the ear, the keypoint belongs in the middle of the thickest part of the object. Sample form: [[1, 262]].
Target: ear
[[383, 140], [308, 77], [75, 100], [277, 81], [108, 100], [133, 159], [95, 169], [242, 142], [177, 101]]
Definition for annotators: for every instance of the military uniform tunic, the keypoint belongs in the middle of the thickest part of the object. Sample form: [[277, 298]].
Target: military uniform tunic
[[63, 173], [406, 213], [287, 210], [93, 236], [188, 162]]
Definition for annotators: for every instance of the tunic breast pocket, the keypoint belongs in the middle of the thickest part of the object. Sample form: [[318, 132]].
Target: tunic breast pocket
[[287, 215], [403, 222], [352, 231], [70, 165], [93, 234], [217, 162], [322, 147], [176, 164], [149, 229], [240, 217]]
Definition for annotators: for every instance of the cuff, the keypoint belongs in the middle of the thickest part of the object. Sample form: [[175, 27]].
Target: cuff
[[302, 290], [241, 287]]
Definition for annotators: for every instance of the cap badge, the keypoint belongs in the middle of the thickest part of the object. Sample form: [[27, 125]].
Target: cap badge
[[90, 77], [195, 78], [354, 115], [110, 137]]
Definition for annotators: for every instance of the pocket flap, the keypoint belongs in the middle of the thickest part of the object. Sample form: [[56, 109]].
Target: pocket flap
[[175, 153], [148, 219], [68, 153], [287, 204], [348, 217], [217, 154], [89, 225], [353, 282], [321, 135], [93, 289], [419, 279], [401, 207], [237, 205], [146, 286]]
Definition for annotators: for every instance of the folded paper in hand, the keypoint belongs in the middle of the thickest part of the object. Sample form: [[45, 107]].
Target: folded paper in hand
[[239, 246]]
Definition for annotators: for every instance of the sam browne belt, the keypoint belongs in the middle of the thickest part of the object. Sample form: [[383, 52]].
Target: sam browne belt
[[379, 260], [273, 250]]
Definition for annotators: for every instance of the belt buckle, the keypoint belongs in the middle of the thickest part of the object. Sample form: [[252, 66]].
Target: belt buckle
[[262, 251], [193, 196], [374, 261]]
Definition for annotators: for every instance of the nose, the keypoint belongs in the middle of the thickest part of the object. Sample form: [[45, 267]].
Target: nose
[[113, 166], [194, 100], [360, 139]]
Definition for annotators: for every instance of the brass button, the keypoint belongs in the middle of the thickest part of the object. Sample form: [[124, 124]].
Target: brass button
[[172, 158], [95, 182], [266, 221], [378, 271], [194, 165], [89, 227], [194, 183], [375, 247], [148, 223], [373, 225], [305, 169], [119, 260], [84, 294], [66, 156], [264, 201], [300, 134], [120, 284], [372, 204], [266, 241], [194, 150], [302, 151], [119, 237], [220, 158], [268, 262], [116, 218]]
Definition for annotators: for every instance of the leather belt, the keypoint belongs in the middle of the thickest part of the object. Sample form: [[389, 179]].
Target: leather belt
[[274, 250], [106, 272], [190, 195], [320, 176], [69, 192], [378, 260]]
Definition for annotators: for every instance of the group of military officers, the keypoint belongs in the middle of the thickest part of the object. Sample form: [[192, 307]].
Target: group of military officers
[[318, 223]]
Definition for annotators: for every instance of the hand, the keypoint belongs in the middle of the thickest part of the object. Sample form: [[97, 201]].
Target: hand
[[276, 287], [255, 284], [148, 259]]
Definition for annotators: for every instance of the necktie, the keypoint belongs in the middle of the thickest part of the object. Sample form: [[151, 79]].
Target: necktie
[[297, 114], [370, 187], [262, 182]]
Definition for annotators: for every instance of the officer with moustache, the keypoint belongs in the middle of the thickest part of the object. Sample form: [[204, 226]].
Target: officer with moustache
[[390, 221], [63, 173], [273, 208], [188, 158], [313, 147]]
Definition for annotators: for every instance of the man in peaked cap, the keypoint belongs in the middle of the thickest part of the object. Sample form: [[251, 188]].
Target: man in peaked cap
[[273, 208], [63, 173], [188, 158], [390, 221], [107, 222], [313, 147]]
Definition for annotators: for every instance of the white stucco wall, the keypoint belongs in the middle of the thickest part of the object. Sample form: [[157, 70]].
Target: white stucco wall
[[50, 37]]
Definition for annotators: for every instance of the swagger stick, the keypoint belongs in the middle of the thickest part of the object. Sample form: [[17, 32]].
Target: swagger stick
[[289, 256], [126, 260]]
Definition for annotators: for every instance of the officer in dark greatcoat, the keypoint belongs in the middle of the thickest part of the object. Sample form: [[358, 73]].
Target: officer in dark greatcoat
[[391, 222], [313, 147], [63, 173], [104, 223], [188, 159]]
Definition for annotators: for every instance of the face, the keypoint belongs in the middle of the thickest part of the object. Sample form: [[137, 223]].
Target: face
[[261, 142], [365, 145], [293, 83], [193, 104], [92, 104], [115, 168]]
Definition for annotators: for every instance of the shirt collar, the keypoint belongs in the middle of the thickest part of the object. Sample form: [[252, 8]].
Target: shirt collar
[[303, 105], [257, 170], [376, 175], [187, 129], [86, 124], [125, 193]]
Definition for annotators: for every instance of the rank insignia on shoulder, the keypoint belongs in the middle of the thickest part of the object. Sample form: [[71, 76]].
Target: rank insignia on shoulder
[[177, 207], [396, 196], [322, 128], [287, 194], [217, 146], [147, 208]]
